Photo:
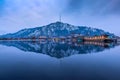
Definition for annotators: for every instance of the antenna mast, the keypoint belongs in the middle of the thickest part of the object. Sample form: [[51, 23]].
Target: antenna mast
[[60, 17]]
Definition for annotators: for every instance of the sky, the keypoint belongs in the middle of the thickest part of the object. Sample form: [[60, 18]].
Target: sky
[[19, 14]]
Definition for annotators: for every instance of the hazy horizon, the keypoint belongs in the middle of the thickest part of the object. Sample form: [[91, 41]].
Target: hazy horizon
[[18, 14]]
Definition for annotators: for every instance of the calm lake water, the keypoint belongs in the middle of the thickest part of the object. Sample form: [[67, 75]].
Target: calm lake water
[[59, 61]]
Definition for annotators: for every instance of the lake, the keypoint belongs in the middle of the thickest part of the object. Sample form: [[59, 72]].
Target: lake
[[30, 60]]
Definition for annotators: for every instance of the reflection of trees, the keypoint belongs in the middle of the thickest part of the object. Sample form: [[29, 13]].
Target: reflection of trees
[[58, 50]]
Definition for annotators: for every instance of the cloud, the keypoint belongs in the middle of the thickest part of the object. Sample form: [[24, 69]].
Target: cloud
[[99, 7], [29, 13], [2, 5], [19, 14]]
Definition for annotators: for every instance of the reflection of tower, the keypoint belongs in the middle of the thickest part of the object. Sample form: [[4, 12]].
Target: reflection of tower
[[60, 66]]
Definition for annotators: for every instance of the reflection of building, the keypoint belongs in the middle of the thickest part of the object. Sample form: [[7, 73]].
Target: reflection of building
[[97, 43]]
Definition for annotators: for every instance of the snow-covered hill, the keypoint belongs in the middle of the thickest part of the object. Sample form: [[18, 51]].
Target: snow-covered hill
[[56, 29]]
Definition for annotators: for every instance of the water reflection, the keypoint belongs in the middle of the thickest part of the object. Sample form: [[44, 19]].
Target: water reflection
[[59, 49]]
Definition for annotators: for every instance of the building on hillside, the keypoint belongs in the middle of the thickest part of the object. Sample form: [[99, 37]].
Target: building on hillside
[[77, 38]]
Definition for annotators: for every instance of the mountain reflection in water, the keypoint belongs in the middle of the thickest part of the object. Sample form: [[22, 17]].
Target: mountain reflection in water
[[59, 49]]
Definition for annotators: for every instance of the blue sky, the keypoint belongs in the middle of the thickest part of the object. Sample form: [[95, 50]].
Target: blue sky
[[19, 14]]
